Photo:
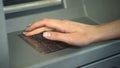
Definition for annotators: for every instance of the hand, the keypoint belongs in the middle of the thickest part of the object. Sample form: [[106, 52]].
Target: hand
[[71, 32]]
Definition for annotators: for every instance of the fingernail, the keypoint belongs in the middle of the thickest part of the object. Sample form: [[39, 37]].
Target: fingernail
[[46, 34], [29, 25], [24, 32]]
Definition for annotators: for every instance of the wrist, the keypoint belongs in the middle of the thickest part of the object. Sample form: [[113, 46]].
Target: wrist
[[102, 33], [99, 34]]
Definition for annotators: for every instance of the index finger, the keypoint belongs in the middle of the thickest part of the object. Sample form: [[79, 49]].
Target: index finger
[[51, 23]]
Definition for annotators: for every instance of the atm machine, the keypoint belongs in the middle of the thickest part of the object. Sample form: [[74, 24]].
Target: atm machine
[[17, 14]]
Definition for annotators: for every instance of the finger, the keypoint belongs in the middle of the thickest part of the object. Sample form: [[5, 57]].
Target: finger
[[52, 23], [57, 36], [37, 31], [35, 25]]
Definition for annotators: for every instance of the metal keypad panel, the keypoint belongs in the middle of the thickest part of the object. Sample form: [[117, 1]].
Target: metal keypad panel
[[43, 45]]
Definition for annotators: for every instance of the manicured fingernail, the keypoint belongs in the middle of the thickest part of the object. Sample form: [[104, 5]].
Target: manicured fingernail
[[46, 34], [29, 25], [24, 32]]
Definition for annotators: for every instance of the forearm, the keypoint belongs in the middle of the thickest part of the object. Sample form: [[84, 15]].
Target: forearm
[[109, 30]]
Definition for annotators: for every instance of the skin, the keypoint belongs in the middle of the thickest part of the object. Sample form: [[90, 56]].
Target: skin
[[74, 33]]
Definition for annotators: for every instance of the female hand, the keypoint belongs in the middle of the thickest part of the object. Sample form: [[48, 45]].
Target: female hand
[[71, 32]]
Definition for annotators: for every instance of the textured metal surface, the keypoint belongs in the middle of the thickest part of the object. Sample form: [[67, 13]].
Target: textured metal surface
[[44, 45]]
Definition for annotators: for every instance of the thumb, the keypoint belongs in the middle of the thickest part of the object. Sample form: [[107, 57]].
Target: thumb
[[55, 36]]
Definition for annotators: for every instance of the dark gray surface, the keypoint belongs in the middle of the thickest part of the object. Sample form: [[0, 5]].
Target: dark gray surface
[[103, 10], [111, 62], [24, 56], [4, 57]]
